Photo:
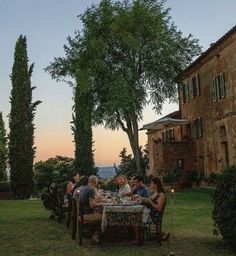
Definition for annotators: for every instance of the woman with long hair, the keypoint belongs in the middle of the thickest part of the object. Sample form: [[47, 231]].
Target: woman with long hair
[[124, 187], [155, 203]]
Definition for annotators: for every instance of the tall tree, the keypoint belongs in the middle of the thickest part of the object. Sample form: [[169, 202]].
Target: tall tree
[[21, 136], [132, 55], [3, 150], [83, 135], [71, 67]]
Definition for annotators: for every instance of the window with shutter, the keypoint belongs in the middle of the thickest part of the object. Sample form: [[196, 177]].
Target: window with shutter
[[197, 84], [184, 93], [222, 86], [163, 136], [187, 92], [194, 86], [198, 127], [214, 91], [200, 133], [218, 87]]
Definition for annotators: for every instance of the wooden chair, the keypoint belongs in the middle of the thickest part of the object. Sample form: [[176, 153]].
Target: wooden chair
[[74, 218], [157, 227], [83, 224], [69, 210]]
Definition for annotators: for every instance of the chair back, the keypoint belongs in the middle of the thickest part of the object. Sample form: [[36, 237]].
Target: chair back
[[74, 206], [69, 198], [80, 210], [163, 209]]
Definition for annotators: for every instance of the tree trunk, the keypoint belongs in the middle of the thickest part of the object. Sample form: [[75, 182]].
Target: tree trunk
[[136, 150], [132, 131]]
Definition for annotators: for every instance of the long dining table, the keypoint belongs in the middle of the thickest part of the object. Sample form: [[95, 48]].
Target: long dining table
[[121, 213], [124, 213], [133, 215]]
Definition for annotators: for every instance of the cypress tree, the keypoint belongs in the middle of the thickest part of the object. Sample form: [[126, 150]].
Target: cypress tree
[[3, 150], [21, 136], [72, 66], [83, 135]]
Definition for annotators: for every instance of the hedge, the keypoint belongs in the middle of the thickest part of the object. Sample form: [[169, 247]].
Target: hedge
[[224, 211]]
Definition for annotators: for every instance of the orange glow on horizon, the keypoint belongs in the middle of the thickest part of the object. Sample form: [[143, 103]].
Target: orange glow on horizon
[[107, 145]]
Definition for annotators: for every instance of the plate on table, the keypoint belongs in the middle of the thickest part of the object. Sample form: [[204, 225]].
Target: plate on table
[[107, 204], [130, 203]]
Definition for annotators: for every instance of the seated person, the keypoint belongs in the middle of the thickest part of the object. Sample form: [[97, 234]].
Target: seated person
[[115, 183], [139, 188], [155, 203], [132, 183], [87, 199], [124, 187], [89, 204], [82, 183], [72, 183]]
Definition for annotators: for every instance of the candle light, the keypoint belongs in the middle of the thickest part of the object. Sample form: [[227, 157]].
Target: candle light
[[172, 194]]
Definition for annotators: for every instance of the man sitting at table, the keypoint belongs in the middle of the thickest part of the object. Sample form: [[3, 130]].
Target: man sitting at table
[[139, 188], [87, 200], [89, 204]]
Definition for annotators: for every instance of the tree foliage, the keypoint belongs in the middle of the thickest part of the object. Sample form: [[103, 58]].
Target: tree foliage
[[57, 169], [129, 54], [21, 136], [224, 211], [71, 67], [83, 135], [3, 150], [128, 166]]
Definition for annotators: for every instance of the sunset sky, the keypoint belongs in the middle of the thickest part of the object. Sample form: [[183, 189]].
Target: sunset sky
[[46, 24]]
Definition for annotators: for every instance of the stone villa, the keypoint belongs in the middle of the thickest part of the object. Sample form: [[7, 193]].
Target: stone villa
[[206, 140]]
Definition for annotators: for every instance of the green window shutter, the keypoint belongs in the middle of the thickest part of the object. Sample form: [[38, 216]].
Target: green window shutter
[[184, 93], [196, 128], [172, 134], [222, 85], [214, 90], [200, 127], [164, 136], [192, 86], [198, 84], [218, 93], [187, 92]]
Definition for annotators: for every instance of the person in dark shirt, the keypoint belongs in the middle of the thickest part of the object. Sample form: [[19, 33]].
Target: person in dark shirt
[[139, 188], [87, 199], [82, 183]]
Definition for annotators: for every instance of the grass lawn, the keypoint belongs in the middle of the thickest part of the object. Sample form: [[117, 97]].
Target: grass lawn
[[25, 229]]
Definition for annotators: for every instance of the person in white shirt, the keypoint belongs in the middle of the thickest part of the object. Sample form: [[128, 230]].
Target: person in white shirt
[[124, 186]]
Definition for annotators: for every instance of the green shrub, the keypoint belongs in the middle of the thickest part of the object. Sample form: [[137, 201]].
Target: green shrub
[[107, 185], [194, 176], [212, 178], [224, 211], [5, 186], [172, 176]]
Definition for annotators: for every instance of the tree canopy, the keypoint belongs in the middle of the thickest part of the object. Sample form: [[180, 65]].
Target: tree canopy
[[128, 54]]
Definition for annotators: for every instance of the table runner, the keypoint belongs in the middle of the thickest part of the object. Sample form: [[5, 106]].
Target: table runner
[[124, 215]]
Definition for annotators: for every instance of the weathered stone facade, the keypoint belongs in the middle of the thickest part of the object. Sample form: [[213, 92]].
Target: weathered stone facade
[[207, 99]]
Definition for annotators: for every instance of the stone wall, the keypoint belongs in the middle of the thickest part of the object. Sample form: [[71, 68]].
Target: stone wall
[[214, 114], [219, 118]]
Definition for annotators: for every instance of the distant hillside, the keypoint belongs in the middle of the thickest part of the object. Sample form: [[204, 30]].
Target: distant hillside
[[107, 172]]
